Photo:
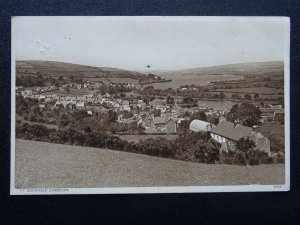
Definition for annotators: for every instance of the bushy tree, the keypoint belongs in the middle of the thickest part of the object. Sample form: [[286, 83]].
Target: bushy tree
[[248, 96], [157, 112], [222, 96], [213, 120], [189, 101], [184, 124], [245, 152], [200, 115], [231, 116], [170, 100], [206, 151], [245, 144], [112, 116], [246, 113], [156, 147], [196, 147]]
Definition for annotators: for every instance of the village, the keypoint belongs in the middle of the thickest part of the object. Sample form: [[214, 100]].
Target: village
[[153, 115]]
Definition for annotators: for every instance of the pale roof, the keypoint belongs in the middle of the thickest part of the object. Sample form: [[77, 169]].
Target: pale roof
[[199, 125], [162, 120], [159, 120], [80, 104]]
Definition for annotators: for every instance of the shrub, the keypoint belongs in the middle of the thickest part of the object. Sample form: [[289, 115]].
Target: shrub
[[239, 159], [156, 147], [256, 157], [250, 157], [205, 151], [190, 146], [278, 158], [226, 157]]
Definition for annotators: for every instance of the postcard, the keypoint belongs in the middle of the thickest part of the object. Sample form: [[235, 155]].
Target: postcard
[[162, 104]]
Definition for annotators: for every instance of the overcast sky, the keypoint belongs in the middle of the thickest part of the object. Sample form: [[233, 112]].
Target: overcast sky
[[161, 42]]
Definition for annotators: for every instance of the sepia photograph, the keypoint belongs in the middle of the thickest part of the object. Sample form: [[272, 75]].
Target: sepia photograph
[[162, 104]]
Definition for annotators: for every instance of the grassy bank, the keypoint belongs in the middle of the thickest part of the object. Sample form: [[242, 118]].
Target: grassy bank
[[40, 164]]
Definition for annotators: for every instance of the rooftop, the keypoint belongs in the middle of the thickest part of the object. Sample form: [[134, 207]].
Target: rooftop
[[199, 125], [229, 130]]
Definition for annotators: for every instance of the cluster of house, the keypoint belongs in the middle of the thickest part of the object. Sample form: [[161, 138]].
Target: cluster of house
[[89, 84], [167, 124], [86, 84], [31, 92], [164, 124], [227, 134], [272, 112], [80, 85], [103, 103]]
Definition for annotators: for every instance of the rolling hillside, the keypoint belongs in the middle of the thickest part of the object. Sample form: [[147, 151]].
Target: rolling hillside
[[56, 69], [244, 69]]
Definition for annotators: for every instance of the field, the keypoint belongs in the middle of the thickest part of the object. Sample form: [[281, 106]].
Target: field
[[109, 80], [264, 97], [72, 92], [123, 80], [43, 165], [98, 79], [189, 79], [253, 90], [203, 75], [136, 138]]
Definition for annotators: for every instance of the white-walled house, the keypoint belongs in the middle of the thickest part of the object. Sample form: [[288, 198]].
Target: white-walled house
[[80, 105], [227, 134]]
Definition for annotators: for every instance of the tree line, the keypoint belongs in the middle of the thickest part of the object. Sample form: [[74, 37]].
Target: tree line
[[190, 146], [193, 147]]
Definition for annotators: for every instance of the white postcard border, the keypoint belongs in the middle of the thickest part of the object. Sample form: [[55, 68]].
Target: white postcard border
[[173, 189]]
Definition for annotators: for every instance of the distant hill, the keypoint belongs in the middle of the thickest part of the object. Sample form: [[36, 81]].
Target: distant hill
[[56, 69], [243, 69]]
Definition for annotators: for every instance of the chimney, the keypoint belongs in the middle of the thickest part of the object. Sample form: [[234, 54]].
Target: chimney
[[222, 118], [255, 128], [236, 122]]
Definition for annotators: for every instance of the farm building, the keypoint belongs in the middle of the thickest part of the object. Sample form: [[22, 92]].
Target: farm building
[[227, 134], [163, 124], [199, 125], [278, 114], [159, 102], [65, 104], [80, 105], [42, 105]]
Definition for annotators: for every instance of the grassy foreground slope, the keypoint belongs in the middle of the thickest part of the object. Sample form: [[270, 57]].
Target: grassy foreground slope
[[44, 165]]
